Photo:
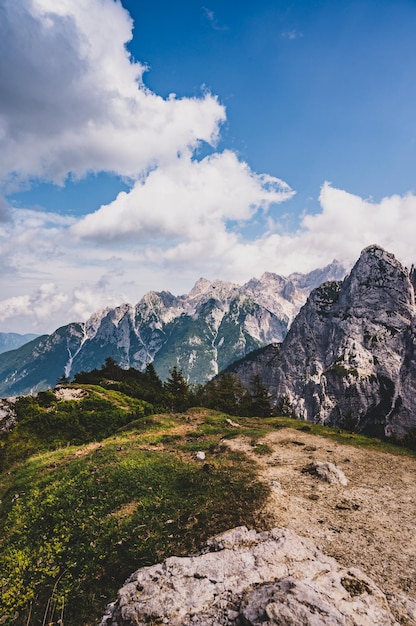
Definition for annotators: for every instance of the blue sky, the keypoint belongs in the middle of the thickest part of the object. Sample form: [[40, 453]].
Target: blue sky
[[290, 140]]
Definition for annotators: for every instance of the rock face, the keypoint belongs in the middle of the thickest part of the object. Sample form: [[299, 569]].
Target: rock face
[[349, 359], [201, 332], [245, 578], [262, 362], [7, 414]]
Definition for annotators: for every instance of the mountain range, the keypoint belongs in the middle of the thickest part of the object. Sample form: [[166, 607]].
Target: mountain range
[[338, 352], [201, 332]]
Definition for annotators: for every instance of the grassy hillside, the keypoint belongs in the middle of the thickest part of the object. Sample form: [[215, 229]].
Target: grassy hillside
[[76, 520], [93, 488]]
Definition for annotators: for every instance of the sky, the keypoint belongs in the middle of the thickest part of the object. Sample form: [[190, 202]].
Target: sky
[[144, 144]]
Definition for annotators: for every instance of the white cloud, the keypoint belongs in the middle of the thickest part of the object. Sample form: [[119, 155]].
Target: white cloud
[[186, 200], [41, 305], [72, 100], [4, 210], [81, 278], [345, 225], [192, 240]]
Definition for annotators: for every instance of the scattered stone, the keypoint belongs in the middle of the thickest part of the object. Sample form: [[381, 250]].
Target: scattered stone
[[233, 424], [200, 455], [256, 579], [70, 393], [346, 505], [327, 471]]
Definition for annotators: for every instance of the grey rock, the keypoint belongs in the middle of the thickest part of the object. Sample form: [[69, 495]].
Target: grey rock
[[245, 578], [328, 472], [8, 415], [349, 359]]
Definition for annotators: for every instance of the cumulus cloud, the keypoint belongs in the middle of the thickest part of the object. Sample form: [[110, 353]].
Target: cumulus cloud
[[172, 257], [345, 225], [73, 101], [195, 240], [48, 307], [187, 199], [41, 305], [4, 210]]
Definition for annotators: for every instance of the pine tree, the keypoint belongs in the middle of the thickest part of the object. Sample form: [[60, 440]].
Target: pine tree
[[260, 398], [227, 393], [177, 390]]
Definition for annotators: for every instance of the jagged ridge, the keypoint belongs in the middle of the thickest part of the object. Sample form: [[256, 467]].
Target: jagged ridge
[[202, 332]]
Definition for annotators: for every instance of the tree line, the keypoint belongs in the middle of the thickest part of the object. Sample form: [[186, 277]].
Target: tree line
[[223, 393]]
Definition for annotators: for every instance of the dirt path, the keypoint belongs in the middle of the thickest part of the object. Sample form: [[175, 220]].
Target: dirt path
[[370, 523]]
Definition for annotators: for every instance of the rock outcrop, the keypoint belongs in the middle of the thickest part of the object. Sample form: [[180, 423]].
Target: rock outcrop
[[350, 357], [245, 578], [8, 416]]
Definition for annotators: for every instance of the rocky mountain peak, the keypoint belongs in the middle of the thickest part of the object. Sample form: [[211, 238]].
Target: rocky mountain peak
[[201, 286], [201, 332], [379, 287], [334, 271], [349, 358], [94, 321], [351, 352]]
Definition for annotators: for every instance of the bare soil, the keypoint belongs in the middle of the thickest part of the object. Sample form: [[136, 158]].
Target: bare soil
[[370, 523]]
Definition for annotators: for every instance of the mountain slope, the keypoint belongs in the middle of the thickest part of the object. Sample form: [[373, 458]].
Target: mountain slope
[[350, 356], [77, 517], [201, 332]]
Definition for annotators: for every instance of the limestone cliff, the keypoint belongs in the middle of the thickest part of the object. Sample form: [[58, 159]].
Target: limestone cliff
[[350, 356]]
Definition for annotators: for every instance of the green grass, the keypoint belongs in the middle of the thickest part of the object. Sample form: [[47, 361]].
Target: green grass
[[339, 435], [79, 521], [76, 520], [46, 423]]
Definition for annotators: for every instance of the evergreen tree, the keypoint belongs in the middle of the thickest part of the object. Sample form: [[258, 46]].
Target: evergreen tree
[[152, 377], [284, 407], [111, 368], [227, 393], [260, 398], [177, 391]]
